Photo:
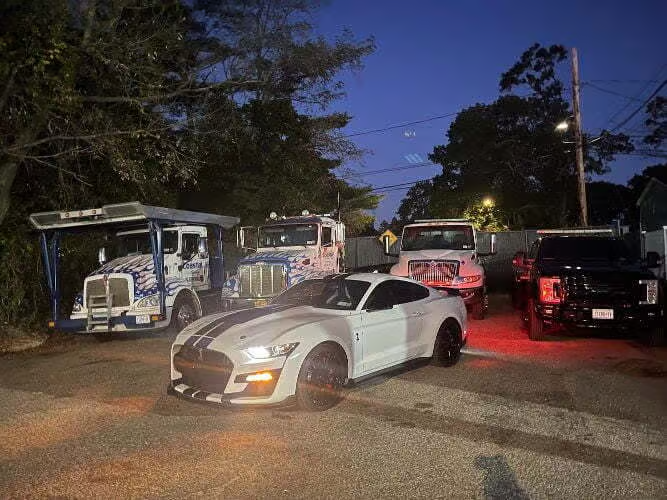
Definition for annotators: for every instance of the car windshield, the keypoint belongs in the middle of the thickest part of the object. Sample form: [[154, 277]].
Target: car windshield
[[140, 243], [342, 294], [587, 248], [450, 237], [288, 235]]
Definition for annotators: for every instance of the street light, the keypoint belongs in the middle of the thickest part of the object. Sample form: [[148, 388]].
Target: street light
[[488, 202], [562, 126]]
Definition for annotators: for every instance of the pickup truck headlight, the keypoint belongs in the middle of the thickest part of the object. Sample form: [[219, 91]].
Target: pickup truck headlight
[[273, 351], [150, 301], [651, 291]]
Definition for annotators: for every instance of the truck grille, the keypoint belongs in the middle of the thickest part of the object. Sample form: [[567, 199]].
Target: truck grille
[[262, 280], [203, 369], [597, 290], [119, 290], [436, 272]]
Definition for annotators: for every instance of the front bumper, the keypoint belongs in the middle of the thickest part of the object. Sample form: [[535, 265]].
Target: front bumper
[[124, 323], [581, 315], [470, 296], [226, 385]]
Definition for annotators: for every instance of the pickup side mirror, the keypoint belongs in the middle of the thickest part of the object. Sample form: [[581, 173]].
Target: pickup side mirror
[[519, 259], [653, 260], [102, 255], [386, 245]]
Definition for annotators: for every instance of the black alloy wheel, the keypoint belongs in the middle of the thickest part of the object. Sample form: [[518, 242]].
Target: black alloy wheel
[[321, 378], [447, 348]]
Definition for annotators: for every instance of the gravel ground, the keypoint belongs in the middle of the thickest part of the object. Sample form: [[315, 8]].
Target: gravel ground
[[572, 417]]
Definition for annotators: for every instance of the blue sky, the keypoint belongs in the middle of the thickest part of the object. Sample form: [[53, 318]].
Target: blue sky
[[438, 57]]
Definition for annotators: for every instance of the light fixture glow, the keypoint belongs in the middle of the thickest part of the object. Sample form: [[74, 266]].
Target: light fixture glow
[[259, 377]]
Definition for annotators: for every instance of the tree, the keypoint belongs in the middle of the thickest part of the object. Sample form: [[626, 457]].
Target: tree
[[656, 121], [265, 150], [508, 149], [608, 202], [485, 216]]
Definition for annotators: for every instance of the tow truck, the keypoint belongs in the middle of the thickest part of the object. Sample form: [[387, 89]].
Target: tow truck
[[168, 269]]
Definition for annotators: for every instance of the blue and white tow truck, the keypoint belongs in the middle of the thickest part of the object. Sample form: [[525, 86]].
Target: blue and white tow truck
[[282, 253], [168, 269]]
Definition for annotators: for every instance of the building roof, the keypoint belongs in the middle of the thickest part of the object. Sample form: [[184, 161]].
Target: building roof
[[652, 185]]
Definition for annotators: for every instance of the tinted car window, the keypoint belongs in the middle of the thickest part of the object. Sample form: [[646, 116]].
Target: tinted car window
[[409, 292], [382, 297], [576, 248], [343, 294]]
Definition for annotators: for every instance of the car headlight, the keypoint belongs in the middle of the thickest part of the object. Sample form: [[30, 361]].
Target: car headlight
[[150, 301], [651, 291], [273, 351]]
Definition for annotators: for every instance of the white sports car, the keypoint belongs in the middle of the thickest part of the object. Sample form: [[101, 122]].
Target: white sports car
[[313, 339]]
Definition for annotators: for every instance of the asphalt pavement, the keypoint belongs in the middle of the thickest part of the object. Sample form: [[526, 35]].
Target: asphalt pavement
[[576, 416]]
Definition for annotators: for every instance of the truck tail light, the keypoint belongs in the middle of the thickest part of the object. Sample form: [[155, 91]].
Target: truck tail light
[[550, 291]]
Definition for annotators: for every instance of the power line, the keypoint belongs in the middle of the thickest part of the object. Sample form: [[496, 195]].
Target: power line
[[407, 124], [402, 185], [612, 92], [393, 169], [641, 106], [617, 113]]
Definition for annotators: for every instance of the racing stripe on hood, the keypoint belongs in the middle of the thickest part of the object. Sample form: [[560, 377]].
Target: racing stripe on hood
[[237, 318], [204, 330]]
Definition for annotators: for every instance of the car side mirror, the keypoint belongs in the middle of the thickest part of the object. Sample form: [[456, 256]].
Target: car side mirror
[[519, 259], [102, 255], [653, 260]]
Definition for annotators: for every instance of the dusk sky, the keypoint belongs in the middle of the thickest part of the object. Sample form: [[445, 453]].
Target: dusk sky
[[437, 57]]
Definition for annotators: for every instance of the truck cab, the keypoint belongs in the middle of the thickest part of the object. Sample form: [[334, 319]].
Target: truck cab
[[281, 253], [166, 268], [443, 254]]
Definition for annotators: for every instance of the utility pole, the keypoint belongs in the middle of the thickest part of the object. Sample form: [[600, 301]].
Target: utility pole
[[578, 139]]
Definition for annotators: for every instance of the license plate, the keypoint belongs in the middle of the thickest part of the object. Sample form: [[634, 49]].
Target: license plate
[[603, 314], [143, 319]]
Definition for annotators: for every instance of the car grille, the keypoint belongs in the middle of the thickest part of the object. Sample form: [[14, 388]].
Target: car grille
[[262, 280], [437, 272], [596, 290], [119, 290], [203, 369]]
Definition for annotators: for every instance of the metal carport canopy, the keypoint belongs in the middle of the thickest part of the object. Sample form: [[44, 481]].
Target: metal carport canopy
[[122, 213]]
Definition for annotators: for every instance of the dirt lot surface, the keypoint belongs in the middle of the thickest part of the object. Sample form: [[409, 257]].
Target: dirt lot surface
[[572, 417]]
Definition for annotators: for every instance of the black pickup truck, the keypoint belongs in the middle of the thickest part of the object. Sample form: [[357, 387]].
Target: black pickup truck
[[588, 281]]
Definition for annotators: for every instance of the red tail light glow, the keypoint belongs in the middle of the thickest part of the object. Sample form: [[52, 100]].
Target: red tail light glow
[[550, 291]]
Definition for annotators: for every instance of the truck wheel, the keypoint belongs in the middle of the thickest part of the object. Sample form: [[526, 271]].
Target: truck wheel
[[535, 323], [321, 378], [447, 348], [183, 313]]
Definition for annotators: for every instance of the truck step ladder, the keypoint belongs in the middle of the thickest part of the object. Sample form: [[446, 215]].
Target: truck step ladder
[[99, 311]]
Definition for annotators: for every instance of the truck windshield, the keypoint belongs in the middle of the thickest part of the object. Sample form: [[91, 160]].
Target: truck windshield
[[342, 294], [140, 243], [584, 248], [450, 237], [288, 235]]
